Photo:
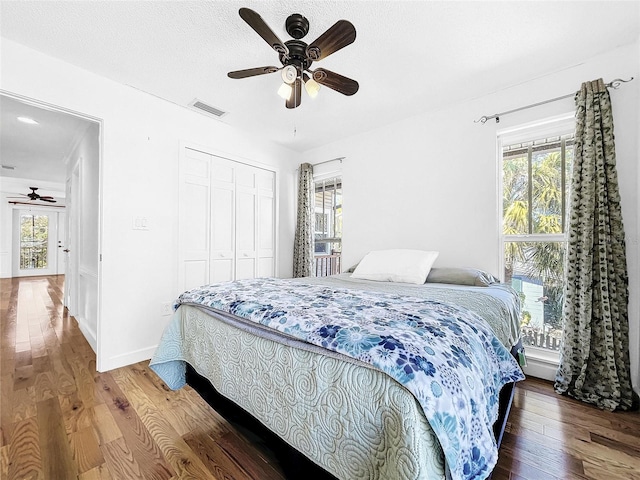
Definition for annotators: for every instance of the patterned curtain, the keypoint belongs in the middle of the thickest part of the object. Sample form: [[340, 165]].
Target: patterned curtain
[[303, 246], [594, 357]]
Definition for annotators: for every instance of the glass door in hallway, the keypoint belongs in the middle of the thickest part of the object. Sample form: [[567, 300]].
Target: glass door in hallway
[[35, 235]]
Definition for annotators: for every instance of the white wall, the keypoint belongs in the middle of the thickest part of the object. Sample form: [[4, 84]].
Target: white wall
[[140, 150], [430, 182]]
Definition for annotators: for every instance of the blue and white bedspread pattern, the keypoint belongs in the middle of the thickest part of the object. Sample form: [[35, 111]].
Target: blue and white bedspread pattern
[[447, 357]]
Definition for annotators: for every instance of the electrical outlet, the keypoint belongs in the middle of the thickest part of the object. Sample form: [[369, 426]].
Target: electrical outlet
[[166, 309]]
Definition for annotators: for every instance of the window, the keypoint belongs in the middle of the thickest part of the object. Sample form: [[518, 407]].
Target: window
[[535, 185], [328, 226], [34, 239]]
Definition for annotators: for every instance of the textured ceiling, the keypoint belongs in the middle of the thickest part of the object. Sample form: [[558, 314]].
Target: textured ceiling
[[409, 57], [39, 151]]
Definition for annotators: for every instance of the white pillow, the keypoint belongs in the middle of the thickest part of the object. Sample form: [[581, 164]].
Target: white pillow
[[406, 266]]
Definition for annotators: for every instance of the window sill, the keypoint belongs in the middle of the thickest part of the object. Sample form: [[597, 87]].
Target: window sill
[[541, 363]]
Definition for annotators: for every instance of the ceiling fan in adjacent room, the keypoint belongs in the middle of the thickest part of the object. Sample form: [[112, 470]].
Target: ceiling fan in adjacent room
[[296, 57], [35, 196]]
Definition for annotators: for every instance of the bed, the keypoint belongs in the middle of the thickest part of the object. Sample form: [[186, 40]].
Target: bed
[[358, 408]]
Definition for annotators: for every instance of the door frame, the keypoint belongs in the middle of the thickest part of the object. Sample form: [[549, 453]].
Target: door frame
[[52, 238], [68, 217]]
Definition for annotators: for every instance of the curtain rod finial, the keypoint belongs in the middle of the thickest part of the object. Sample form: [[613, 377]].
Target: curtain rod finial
[[617, 82]]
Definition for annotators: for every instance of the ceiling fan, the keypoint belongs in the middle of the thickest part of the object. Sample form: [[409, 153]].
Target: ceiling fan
[[296, 57], [34, 196]]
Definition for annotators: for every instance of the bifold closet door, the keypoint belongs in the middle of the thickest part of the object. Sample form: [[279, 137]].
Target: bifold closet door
[[246, 221], [195, 219], [223, 220], [252, 227], [266, 228], [227, 220]]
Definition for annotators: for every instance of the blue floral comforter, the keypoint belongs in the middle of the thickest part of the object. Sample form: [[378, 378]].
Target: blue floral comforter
[[446, 356]]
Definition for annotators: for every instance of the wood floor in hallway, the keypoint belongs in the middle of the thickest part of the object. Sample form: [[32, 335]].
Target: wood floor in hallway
[[62, 420]]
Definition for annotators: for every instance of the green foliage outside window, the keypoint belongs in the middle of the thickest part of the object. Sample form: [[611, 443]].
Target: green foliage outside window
[[34, 238], [535, 195]]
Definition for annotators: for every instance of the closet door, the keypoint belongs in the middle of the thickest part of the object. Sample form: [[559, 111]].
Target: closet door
[[246, 221], [227, 220], [195, 219], [265, 186], [223, 220]]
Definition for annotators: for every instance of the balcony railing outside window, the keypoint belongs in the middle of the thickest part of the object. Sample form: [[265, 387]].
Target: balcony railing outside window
[[34, 239], [326, 265], [34, 256], [328, 227]]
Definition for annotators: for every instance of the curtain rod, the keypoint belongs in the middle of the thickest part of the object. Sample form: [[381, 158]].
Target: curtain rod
[[332, 160], [613, 84]]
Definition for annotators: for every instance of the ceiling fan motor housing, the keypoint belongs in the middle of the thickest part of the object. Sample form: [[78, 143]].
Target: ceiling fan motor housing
[[297, 55]]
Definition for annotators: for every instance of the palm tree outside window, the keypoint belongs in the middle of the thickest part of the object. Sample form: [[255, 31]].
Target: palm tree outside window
[[535, 185]]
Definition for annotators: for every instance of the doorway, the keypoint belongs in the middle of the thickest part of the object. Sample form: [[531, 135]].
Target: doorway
[[59, 151], [35, 242]]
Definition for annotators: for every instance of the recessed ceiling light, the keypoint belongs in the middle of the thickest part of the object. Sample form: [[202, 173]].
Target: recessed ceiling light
[[28, 120]]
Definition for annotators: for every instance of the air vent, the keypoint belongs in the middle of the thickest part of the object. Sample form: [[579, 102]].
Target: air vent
[[207, 109]]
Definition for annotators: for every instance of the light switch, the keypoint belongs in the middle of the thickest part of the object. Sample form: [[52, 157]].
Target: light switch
[[140, 223]]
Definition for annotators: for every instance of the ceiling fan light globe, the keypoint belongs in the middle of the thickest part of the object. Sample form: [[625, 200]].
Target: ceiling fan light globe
[[285, 91], [289, 74], [312, 87]]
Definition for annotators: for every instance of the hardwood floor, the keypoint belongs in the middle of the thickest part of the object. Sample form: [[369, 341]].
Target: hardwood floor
[[61, 420]]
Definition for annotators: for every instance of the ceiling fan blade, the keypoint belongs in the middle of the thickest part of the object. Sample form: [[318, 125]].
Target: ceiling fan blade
[[335, 81], [252, 72], [256, 22], [46, 196], [296, 95], [341, 34], [47, 199]]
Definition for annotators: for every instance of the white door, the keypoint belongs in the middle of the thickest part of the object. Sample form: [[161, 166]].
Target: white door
[[72, 274], [61, 247], [223, 221], [266, 238], [83, 245], [245, 222], [194, 220], [35, 242]]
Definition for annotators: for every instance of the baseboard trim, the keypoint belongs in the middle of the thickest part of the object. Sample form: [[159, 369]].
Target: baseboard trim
[[125, 359], [90, 335]]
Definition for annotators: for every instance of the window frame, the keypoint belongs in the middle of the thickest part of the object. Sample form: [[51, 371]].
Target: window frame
[[330, 217], [552, 127]]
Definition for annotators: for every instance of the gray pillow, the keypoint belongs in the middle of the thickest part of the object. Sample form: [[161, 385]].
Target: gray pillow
[[352, 269], [461, 276]]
